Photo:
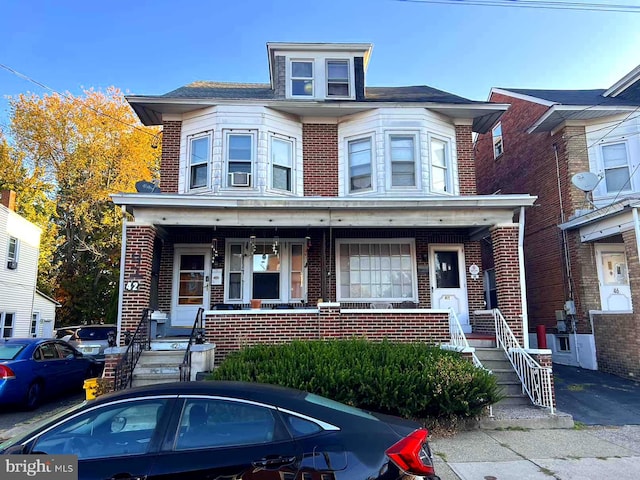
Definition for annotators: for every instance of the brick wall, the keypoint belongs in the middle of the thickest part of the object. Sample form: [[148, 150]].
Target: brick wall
[[505, 248], [466, 162], [137, 268], [617, 338], [231, 332], [320, 158], [170, 161]]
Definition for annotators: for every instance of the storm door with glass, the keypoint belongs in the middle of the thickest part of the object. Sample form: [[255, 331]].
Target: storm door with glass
[[192, 270], [447, 279]]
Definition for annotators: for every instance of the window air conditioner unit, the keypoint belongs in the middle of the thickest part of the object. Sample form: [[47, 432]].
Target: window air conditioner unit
[[240, 179], [12, 265]]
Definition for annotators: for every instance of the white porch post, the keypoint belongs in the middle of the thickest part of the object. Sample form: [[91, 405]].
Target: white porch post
[[523, 285]]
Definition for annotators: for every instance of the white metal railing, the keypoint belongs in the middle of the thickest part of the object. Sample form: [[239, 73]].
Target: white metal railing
[[535, 379], [459, 339]]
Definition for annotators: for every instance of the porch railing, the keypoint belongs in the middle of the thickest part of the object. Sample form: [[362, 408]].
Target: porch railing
[[137, 343], [535, 379], [197, 336], [458, 338]]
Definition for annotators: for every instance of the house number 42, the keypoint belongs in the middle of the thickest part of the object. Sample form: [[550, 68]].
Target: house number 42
[[131, 286]]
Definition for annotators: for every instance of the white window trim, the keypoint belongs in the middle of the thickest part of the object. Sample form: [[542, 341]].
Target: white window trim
[[291, 78], [630, 184], [225, 154], [448, 162], [247, 270], [350, 78], [359, 241], [494, 142], [3, 319], [292, 141], [190, 140], [417, 161], [372, 138]]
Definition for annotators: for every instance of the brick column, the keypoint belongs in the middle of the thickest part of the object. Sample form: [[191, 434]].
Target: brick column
[[475, 287], [170, 161], [466, 162], [544, 358], [137, 276], [507, 268], [320, 158]]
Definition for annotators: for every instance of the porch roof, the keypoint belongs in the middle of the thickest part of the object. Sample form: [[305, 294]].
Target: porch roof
[[436, 211]]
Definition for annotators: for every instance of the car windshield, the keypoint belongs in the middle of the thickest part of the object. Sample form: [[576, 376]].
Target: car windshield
[[9, 352], [93, 333]]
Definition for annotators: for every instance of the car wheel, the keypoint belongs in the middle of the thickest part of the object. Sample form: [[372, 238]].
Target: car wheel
[[34, 396]]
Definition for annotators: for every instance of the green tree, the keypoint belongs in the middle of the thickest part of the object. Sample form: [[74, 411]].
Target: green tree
[[86, 148]]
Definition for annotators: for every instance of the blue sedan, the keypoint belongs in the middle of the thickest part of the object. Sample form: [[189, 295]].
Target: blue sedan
[[34, 368]]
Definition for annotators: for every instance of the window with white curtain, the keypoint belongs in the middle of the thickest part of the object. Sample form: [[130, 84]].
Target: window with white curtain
[[615, 161]]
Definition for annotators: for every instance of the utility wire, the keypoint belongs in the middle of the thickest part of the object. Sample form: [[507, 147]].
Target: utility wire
[[70, 97], [532, 4]]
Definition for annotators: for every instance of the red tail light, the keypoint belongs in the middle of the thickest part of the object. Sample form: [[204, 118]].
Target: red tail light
[[6, 373], [412, 454]]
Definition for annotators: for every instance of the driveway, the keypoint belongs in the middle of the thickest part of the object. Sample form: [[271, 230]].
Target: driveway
[[596, 398]]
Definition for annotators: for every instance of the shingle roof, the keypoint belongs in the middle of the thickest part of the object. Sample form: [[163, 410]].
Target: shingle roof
[[572, 97], [263, 91]]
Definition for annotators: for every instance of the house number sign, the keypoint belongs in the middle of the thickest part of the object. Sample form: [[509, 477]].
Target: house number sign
[[132, 286]]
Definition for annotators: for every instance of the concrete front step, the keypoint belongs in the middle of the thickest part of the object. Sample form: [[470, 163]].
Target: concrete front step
[[515, 400], [170, 343], [161, 357], [493, 353], [157, 370], [481, 341], [142, 380]]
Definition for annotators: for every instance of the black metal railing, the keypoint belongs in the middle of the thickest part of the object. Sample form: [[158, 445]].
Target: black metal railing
[[197, 336], [136, 344]]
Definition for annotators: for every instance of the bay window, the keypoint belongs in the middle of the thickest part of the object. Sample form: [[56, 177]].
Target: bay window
[[374, 270], [402, 156], [360, 164], [199, 160], [282, 164], [239, 158], [440, 168]]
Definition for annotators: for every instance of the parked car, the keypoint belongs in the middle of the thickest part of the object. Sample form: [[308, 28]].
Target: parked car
[[65, 333], [34, 368], [92, 340], [230, 430]]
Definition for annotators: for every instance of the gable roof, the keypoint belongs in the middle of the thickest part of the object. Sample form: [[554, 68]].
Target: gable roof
[[570, 97]]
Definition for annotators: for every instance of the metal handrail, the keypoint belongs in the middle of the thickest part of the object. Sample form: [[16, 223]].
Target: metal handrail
[[459, 339], [197, 336], [123, 375], [535, 379]]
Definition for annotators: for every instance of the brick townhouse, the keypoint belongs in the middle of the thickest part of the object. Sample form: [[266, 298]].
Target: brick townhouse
[[578, 151], [341, 209]]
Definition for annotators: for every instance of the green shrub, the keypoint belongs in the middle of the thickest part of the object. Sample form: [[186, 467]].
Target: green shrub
[[411, 380]]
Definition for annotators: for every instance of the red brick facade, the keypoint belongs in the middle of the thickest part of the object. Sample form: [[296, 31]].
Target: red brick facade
[[466, 161], [320, 159], [170, 161]]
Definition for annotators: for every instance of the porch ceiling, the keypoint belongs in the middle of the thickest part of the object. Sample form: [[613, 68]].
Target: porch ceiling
[[191, 210]]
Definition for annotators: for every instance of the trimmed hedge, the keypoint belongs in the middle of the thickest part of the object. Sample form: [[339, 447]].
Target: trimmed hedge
[[410, 380]]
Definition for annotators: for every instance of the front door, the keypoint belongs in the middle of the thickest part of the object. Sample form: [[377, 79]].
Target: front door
[[447, 280], [191, 281], [613, 277]]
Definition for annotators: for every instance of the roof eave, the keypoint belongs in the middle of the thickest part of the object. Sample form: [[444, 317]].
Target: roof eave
[[558, 114]]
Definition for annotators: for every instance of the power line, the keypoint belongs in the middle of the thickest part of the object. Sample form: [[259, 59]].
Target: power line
[[538, 5], [69, 97]]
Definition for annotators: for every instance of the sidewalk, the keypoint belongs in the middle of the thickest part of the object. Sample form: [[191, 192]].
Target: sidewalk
[[547, 454]]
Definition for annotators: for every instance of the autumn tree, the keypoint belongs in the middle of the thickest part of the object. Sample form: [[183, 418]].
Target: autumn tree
[[86, 148]]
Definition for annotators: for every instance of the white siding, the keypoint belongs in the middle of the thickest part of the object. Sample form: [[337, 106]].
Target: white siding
[[46, 309], [614, 130], [379, 123], [17, 287], [264, 122]]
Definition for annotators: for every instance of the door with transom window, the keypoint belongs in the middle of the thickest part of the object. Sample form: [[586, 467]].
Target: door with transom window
[[447, 280], [191, 281]]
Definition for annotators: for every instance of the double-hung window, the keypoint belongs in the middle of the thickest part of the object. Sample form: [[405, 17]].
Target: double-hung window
[[302, 78], [239, 156], [360, 164], [337, 78], [402, 153], [615, 161], [440, 168], [282, 164], [6, 324], [372, 270], [496, 134], [199, 160]]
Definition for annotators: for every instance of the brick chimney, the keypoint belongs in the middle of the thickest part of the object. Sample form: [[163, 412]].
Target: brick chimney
[[9, 199]]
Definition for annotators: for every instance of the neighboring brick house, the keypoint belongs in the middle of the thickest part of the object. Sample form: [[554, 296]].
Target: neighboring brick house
[[581, 248], [323, 198], [24, 311]]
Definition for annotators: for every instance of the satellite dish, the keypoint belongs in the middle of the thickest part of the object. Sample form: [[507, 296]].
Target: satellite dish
[[585, 181], [143, 186]]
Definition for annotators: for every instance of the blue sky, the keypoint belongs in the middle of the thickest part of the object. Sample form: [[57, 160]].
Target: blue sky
[[151, 47]]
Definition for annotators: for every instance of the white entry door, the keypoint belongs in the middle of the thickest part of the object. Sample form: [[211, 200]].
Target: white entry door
[[191, 282], [447, 280], [613, 277]]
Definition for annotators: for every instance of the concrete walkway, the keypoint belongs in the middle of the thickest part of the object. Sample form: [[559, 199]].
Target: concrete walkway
[[561, 454]]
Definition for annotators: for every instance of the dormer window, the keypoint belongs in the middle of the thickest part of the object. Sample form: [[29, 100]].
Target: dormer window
[[302, 78], [337, 78]]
